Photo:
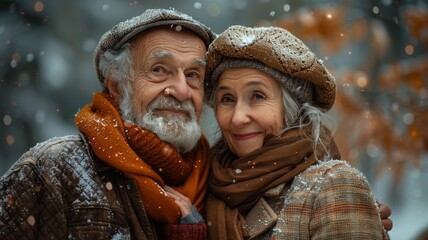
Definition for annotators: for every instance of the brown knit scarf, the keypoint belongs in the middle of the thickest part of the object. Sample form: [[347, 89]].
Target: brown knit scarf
[[238, 183], [142, 156]]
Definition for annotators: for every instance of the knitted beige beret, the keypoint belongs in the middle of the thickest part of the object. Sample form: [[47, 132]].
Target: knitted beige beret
[[124, 31], [278, 53]]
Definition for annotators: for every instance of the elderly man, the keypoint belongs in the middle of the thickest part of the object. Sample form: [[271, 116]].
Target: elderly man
[[137, 138]]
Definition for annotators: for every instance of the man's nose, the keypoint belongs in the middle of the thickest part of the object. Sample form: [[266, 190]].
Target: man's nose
[[179, 88]]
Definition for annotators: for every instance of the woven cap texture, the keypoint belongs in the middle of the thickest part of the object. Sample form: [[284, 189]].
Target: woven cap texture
[[124, 31], [279, 50]]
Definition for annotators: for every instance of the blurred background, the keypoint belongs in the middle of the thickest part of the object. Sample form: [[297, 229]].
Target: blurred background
[[376, 49]]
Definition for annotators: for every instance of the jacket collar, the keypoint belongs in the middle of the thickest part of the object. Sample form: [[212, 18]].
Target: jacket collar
[[99, 165]]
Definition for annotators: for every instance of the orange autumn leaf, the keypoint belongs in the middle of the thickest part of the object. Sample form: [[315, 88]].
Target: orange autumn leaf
[[417, 20]]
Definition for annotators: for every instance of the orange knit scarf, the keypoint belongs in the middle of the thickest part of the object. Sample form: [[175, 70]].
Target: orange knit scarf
[[142, 156]]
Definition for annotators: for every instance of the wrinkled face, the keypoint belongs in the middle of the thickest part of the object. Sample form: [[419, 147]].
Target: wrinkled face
[[248, 107], [175, 60], [165, 58]]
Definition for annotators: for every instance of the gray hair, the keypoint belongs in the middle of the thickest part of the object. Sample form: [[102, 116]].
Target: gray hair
[[298, 115], [117, 66]]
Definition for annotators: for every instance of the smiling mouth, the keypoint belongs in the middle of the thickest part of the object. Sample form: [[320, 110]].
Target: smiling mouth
[[246, 136]]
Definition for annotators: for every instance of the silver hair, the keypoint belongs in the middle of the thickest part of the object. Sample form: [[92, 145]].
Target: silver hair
[[117, 66], [298, 115]]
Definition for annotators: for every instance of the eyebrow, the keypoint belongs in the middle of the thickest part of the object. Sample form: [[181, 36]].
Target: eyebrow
[[162, 54], [255, 83], [248, 84], [167, 55], [201, 62]]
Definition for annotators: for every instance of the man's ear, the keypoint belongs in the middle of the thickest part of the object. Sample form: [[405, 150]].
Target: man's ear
[[112, 87]]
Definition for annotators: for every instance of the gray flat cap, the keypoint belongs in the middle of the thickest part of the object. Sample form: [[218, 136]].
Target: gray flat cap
[[124, 31]]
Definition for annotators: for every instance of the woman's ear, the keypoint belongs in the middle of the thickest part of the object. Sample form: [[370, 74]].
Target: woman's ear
[[112, 87]]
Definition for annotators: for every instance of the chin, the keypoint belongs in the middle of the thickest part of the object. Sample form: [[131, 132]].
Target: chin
[[243, 153]]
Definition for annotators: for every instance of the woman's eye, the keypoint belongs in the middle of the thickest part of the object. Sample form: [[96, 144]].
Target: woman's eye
[[258, 96]]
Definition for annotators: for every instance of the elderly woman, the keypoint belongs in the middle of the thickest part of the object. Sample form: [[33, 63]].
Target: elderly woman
[[276, 172]]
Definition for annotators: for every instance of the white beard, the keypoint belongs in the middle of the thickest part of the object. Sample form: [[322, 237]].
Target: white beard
[[182, 132]]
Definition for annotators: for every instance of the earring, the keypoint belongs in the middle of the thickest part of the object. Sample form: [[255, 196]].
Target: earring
[[167, 92]]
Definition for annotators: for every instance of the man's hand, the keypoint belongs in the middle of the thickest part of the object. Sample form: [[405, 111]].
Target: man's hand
[[385, 213]]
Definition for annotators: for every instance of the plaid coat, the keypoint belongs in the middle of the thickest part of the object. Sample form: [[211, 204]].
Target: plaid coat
[[330, 200]]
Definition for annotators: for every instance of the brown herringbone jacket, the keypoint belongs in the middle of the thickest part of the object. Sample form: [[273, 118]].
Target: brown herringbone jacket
[[58, 190]]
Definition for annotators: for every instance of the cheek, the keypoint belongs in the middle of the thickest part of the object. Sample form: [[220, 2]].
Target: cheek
[[274, 121], [222, 118], [144, 94], [137, 104], [280, 120], [198, 102]]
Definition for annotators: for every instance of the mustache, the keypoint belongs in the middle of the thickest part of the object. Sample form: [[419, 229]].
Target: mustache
[[168, 102]]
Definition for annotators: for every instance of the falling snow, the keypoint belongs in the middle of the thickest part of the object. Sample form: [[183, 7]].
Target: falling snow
[[247, 39], [48, 69]]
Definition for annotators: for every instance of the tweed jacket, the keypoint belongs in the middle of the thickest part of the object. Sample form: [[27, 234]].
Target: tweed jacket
[[330, 200], [59, 190]]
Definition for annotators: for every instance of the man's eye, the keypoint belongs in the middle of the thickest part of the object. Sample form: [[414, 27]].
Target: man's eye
[[159, 69], [193, 75], [226, 100], [158, 73], [194, 79]]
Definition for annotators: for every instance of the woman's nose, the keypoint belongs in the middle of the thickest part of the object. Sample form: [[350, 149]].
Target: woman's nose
[[241, 115]]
